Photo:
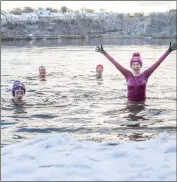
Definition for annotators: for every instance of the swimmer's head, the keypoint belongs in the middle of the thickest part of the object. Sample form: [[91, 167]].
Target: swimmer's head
[[136, 58], [42, 71], [99, 68], [18, 89], [136, 63]]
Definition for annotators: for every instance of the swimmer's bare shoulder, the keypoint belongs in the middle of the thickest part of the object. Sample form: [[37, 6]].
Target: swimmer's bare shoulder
[[23, 102]]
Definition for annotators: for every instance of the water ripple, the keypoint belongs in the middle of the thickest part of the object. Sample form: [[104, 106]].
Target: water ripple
[[72, 100]]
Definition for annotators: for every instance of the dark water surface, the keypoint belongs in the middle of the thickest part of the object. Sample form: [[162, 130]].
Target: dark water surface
[[72, 100]]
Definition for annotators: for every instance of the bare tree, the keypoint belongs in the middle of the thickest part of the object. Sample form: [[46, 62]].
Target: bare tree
[[2, 11], [83, 10], [70, 10], [77, 11], [139, 14], [16, 11], [64, 9], [52, 10], [28, 9], [40, 8], [89, 11]]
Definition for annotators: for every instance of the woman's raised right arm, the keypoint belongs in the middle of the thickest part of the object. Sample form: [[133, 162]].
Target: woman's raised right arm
[[124, 71]]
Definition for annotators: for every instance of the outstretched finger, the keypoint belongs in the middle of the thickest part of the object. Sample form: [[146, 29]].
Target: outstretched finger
[[174, 48], [174, 45]]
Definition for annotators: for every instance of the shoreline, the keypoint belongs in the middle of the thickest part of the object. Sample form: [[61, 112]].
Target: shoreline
[[29, 38]]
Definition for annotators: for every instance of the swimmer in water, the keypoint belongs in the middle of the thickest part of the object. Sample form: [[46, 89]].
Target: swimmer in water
[[136, 81], [42, 73], [18, 92], [99, 71]]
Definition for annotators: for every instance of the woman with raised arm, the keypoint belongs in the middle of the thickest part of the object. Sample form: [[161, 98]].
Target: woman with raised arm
[[136, 81]]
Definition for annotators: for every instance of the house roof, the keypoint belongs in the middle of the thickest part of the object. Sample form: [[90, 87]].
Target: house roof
[[43, 13], [29, 14], [57, 14], [2, 16]]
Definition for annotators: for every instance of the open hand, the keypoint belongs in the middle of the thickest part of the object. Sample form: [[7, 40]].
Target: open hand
[[172, 47], [100, 49]]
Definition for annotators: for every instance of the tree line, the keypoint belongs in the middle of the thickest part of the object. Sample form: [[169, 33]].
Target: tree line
[[63, 9]]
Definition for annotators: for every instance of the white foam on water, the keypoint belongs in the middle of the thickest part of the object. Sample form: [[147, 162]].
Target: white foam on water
[[63, 157]]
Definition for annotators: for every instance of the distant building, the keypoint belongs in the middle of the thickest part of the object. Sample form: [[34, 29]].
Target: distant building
[[29, 17], [12, 18], [93, 15], [3, 19], [83, 15], [44, 14], [147, 14], [100, 15], [17, 18], [131, 14], [70, 15], [57, 16], [111, 14]]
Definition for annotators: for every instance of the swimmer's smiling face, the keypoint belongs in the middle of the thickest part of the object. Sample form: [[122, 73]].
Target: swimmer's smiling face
[[136, 67], [19, 93], [42, 71], [99, 70]]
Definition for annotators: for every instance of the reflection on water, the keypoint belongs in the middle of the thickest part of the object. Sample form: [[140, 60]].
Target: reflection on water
[[133, 109], [87, 42], [73, 100]]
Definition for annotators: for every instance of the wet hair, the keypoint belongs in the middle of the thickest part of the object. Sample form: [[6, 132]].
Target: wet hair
[[41, 67]]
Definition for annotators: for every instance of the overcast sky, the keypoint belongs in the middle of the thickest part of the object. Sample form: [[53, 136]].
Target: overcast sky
[[115, 6]]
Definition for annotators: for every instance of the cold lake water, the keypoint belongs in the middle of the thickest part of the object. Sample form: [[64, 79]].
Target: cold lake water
[[72, 100]]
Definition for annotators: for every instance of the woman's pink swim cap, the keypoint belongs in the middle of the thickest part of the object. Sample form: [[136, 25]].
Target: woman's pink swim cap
[[99, 65], [136, 58]]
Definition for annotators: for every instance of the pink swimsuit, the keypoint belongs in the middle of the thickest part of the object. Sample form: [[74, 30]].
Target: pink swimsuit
[[137, 84]]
